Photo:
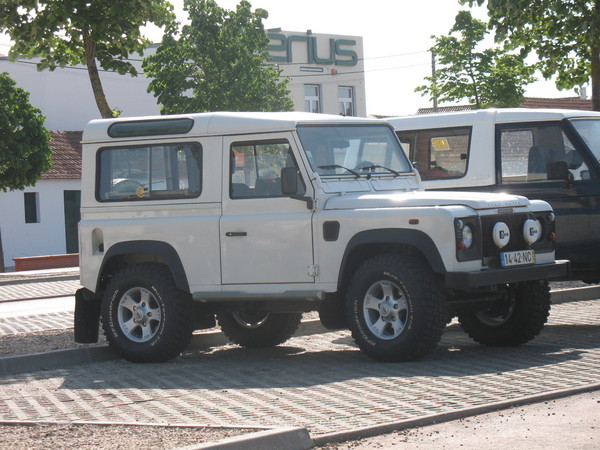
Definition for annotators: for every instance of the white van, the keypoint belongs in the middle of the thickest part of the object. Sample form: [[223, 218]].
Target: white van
[[541, 154]]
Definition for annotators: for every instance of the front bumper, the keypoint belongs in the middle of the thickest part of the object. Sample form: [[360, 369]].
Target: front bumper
[[467, 280]]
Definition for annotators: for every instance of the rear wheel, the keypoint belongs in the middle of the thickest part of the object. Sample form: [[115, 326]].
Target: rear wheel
[[144, 316], [395, 308], [258, 329], [517, 317]]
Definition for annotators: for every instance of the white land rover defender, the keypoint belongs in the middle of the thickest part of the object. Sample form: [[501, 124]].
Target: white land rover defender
[[254, 218]]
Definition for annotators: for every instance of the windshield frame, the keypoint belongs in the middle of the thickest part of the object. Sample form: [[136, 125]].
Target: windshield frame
[[338, 150]]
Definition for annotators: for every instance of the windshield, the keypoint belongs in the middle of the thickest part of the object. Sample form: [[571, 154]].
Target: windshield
[[589, 130], [354, 150]]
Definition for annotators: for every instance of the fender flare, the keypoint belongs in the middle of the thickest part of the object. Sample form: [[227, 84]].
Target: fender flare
[[414, 238], [155, 248]]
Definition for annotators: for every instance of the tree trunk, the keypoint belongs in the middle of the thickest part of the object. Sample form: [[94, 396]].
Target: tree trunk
[[1, 254], [595, 56], [90, 56]]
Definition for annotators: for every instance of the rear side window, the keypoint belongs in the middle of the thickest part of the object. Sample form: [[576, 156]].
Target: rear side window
[[439, 153], [153, 172]]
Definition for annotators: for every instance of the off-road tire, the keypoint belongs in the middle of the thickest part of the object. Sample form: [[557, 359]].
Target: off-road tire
[[519, 318], [255, 330], [162, 328], [413, 316]]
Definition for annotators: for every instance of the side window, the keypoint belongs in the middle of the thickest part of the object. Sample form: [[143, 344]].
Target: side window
[[256, 168], [440, 153], [153, 172], [529, 153]]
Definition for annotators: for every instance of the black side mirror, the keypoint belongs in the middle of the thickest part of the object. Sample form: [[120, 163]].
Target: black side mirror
[[558, 170], [289, 181]]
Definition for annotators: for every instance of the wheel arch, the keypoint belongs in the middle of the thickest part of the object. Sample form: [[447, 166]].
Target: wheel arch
[[130, 252], [369, 243]]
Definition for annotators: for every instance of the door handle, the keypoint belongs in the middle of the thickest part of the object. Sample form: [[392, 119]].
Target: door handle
[[236, 233]]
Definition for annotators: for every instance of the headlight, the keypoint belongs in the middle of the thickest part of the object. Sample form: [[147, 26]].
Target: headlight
[[501, 234], [532, 231], [467, 236]]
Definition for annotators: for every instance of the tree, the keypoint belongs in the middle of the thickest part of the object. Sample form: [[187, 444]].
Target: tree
[[71, 32], [217, 62], [24, 142], [489, 77], [565, 35], [24, 150]]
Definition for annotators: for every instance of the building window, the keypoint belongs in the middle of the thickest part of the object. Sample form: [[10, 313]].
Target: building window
[[312, 98], [346, 100], [32, 213]]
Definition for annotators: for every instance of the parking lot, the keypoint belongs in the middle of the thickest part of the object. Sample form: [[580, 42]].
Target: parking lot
[[321, 382]]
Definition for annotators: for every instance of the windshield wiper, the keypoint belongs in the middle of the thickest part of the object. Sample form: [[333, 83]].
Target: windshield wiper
[[377, 166], [337, 166]]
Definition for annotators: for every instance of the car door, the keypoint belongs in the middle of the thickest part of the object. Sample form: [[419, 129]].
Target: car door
[[266, 236], [526, 154]]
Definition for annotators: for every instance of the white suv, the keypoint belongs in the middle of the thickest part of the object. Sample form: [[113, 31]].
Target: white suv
[[255, 218]]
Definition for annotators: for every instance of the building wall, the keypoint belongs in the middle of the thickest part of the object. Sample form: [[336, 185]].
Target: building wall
[[328, 62], [47, 237], [65, 95]]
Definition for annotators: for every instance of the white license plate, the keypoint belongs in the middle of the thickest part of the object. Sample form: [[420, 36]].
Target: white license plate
[[517, 258]]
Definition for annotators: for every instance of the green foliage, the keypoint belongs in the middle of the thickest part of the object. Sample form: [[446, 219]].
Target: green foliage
[[216, 63], [71, 32], [565, 35], [489, 77], [24, 150]]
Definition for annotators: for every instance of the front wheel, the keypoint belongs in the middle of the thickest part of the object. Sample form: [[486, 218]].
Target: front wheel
[[517, 317], [144, 316], [395, 308], [258, 329]]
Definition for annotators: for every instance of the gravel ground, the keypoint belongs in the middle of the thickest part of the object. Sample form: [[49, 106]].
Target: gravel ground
[[39, 341], [86, 436]]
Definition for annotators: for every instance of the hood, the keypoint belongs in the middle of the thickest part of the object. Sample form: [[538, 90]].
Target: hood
[[475, 200]]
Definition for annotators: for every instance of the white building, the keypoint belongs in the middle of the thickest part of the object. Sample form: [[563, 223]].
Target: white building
[[42, 219], [326, 75], [326, 72]]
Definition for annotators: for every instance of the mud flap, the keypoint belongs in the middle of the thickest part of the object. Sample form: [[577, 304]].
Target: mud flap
[[87, 316]]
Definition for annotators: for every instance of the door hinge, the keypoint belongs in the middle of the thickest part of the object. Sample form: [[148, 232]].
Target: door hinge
[[313, 270]]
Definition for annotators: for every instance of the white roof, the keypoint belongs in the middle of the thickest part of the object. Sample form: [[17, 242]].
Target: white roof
[[224, 123], [501, 115]]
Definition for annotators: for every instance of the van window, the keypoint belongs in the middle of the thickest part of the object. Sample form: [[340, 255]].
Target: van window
[[527, 153], [152, 172], [439, 153]]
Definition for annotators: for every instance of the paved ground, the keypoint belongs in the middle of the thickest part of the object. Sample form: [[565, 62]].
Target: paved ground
[[321, 382]]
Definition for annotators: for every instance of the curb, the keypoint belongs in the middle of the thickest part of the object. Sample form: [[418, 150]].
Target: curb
[[12, 279], [575, 294], [293, 438]]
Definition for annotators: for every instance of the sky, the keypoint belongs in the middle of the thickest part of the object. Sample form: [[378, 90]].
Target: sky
[[396, 39]]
